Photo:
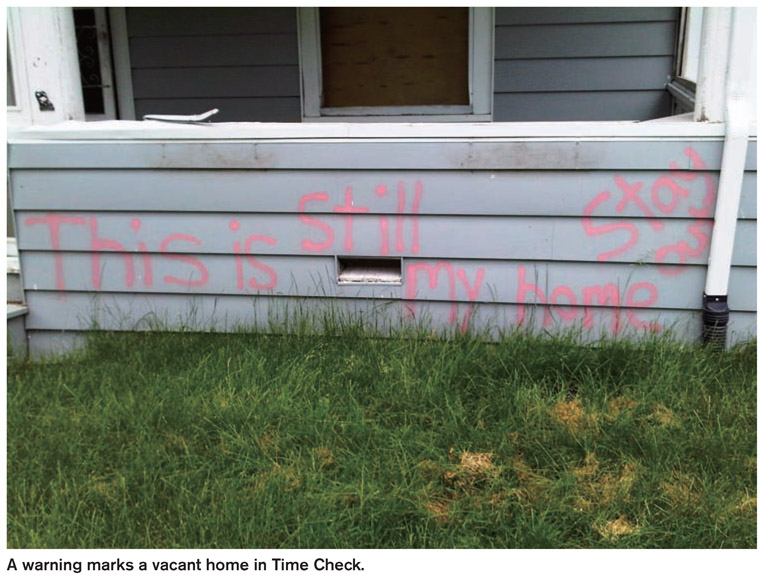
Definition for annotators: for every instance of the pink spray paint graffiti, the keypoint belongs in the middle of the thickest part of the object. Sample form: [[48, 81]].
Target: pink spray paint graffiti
[[351, 208], [579, 308], [434, 280], [393, 230], [54, 223], [204, 275], [148, 275], [308, 244], [679, 204]]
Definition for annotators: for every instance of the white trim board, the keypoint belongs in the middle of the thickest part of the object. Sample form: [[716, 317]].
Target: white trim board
[[674, 128]]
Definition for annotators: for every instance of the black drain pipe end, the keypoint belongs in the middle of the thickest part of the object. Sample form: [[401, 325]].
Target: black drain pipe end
[[716, 316]]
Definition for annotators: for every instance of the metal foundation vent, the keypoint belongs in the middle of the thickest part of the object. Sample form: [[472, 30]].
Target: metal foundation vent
[[366, 270]]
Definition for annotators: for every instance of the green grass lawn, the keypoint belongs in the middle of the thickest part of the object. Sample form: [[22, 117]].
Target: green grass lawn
[[157, 440]]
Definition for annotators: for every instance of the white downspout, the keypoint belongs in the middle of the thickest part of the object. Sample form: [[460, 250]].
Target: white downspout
[[741, 50]]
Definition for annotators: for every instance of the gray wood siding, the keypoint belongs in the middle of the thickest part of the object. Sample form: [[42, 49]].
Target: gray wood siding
[[608, 240], [551, 64], [241, 61], [455, 154], [557, 64], [505, 193], [539, 238]]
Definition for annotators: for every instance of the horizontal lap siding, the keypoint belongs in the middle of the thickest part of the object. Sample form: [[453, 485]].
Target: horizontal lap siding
[[594, 106], [746, 219], [513, 154], [315, 276], [612, 250], [507, 193], [241, 61], [272, 108], [555, 64], [433, 237]]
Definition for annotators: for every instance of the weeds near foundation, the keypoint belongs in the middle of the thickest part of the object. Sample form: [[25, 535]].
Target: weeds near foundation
[[336, 439]]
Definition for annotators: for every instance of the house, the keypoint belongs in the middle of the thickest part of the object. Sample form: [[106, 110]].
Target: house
[[588, 169]]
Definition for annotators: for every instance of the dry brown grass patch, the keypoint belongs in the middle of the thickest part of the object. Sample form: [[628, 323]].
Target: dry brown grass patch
[[602, 488], [747, 508], [472, 470], [663, 416], [614, 529], [628, 476], [286, 477], [682, 490], [582, 504], [571, 416], [619, 405], [324, 457], [476, 463], [568, 414], [439, 510], [744, 507]]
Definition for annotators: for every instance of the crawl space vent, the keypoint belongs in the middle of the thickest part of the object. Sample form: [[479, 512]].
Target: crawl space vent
[[368, 271]]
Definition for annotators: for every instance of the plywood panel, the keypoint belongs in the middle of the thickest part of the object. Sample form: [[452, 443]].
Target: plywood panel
[[394, 56]]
